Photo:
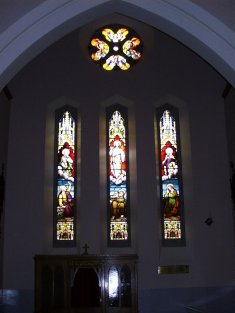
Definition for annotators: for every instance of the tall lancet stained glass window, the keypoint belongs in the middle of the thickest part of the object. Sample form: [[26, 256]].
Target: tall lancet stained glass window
[[118, 186], [65, 176], [171, 187]]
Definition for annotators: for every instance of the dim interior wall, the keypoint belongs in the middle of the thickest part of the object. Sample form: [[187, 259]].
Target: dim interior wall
[[168, 73], [5, 107], [230, 127]]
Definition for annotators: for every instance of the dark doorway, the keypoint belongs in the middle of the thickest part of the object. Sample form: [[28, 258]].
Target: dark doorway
[[85, 292]]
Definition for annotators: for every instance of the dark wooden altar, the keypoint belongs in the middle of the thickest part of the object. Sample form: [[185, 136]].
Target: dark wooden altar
[[85, 283]]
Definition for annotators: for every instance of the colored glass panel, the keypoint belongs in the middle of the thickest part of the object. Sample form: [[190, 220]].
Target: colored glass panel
[[65, 178], [115, 47], [170, 179], [117, 166]]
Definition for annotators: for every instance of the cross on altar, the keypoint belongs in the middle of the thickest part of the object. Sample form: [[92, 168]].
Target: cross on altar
[[85, 249]]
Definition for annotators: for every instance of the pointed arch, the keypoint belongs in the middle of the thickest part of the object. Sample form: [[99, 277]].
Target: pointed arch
[[190, 24]]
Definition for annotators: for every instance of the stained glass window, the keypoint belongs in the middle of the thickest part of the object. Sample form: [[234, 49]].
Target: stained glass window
[[171, 188], [65, 175], [118, 192], [115, 47]]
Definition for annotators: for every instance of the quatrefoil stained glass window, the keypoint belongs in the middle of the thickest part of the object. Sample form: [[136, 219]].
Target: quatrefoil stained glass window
[[115, 47]]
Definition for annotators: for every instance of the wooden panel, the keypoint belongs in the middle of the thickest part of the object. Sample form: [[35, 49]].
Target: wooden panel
[[58, 279]]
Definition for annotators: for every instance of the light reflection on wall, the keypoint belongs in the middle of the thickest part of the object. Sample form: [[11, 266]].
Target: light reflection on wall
[[9, 297], [113, 287]]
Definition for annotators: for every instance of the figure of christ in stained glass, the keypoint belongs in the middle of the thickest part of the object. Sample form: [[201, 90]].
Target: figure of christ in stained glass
[[117, 178], [65, 178], [170, 177]]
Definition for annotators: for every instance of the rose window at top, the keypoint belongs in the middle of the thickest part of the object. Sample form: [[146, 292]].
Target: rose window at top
[[115, 47]]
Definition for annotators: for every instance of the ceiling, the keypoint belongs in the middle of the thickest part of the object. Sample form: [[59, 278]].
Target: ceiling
[[12, 10], [27, 27]]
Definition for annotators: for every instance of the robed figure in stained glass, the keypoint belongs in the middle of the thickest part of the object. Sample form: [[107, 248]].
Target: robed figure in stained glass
[[171, 197], [117, 161], [66, 162]]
